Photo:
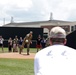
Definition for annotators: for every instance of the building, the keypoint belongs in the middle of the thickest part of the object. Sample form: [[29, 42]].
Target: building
[[46, 25]]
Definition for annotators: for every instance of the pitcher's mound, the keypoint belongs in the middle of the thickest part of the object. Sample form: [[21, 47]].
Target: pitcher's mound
[[17, 55]]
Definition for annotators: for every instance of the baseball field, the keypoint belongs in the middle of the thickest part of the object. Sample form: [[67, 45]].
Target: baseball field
[[14, 63]]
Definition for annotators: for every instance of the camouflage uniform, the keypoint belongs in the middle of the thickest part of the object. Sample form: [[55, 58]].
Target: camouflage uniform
[[27, 41]]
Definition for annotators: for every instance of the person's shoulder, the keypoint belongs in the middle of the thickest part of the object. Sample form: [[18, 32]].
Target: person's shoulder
[[67, 48], [70, 48], [43, 52], [70, 51]]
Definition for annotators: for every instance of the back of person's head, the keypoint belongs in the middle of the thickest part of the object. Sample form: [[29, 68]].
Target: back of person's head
[[57, 35]]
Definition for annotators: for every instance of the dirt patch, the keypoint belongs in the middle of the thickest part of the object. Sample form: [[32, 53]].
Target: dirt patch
[[17, 55]]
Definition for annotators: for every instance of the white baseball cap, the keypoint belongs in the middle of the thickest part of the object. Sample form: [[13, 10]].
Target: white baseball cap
[[57, 32]]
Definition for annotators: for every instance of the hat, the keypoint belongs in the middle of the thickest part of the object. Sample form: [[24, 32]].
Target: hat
[[57, 32]]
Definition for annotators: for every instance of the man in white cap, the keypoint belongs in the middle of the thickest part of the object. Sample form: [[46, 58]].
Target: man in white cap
[[56, 59]]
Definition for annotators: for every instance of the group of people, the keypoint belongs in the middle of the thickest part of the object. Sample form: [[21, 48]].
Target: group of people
[[17, 44], [20, 43], [40, 43], [13, 43], [56, 59], [10, 43]]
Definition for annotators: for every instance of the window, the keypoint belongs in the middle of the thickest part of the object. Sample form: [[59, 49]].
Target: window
[[72, 28]]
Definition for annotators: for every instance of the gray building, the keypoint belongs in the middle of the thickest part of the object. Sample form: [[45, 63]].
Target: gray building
[[46, 25]]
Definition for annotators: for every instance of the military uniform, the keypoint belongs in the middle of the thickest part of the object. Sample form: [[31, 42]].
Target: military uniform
[[28, 39]]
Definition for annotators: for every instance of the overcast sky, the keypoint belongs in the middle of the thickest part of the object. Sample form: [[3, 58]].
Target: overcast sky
[[36, 10]]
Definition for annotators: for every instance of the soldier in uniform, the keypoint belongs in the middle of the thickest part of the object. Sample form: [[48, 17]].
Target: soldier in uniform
[[27, 41]]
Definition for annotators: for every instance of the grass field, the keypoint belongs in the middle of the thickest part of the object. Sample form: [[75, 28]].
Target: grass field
[[32, 50], [17, 66]]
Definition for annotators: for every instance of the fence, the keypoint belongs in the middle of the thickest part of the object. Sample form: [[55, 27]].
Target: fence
[[7, 32]]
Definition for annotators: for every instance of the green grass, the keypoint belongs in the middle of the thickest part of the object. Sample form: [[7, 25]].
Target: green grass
[[32, 50], [16, 66]]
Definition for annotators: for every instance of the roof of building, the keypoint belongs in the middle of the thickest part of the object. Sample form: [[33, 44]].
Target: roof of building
[[36, 22]]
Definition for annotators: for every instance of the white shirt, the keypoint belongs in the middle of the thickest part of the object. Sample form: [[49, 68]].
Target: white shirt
[[55, 60], [1, 41]]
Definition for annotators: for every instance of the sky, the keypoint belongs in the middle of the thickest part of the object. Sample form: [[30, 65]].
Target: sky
[[36, 10]]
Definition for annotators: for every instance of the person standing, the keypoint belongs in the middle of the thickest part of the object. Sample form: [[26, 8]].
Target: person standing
[[20, 44], [57, 59], [1, 42], [10, 44], [43, 42], [38, 43], [15, 44]]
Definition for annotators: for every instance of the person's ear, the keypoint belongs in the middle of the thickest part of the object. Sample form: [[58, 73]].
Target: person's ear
[[65, 40]]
